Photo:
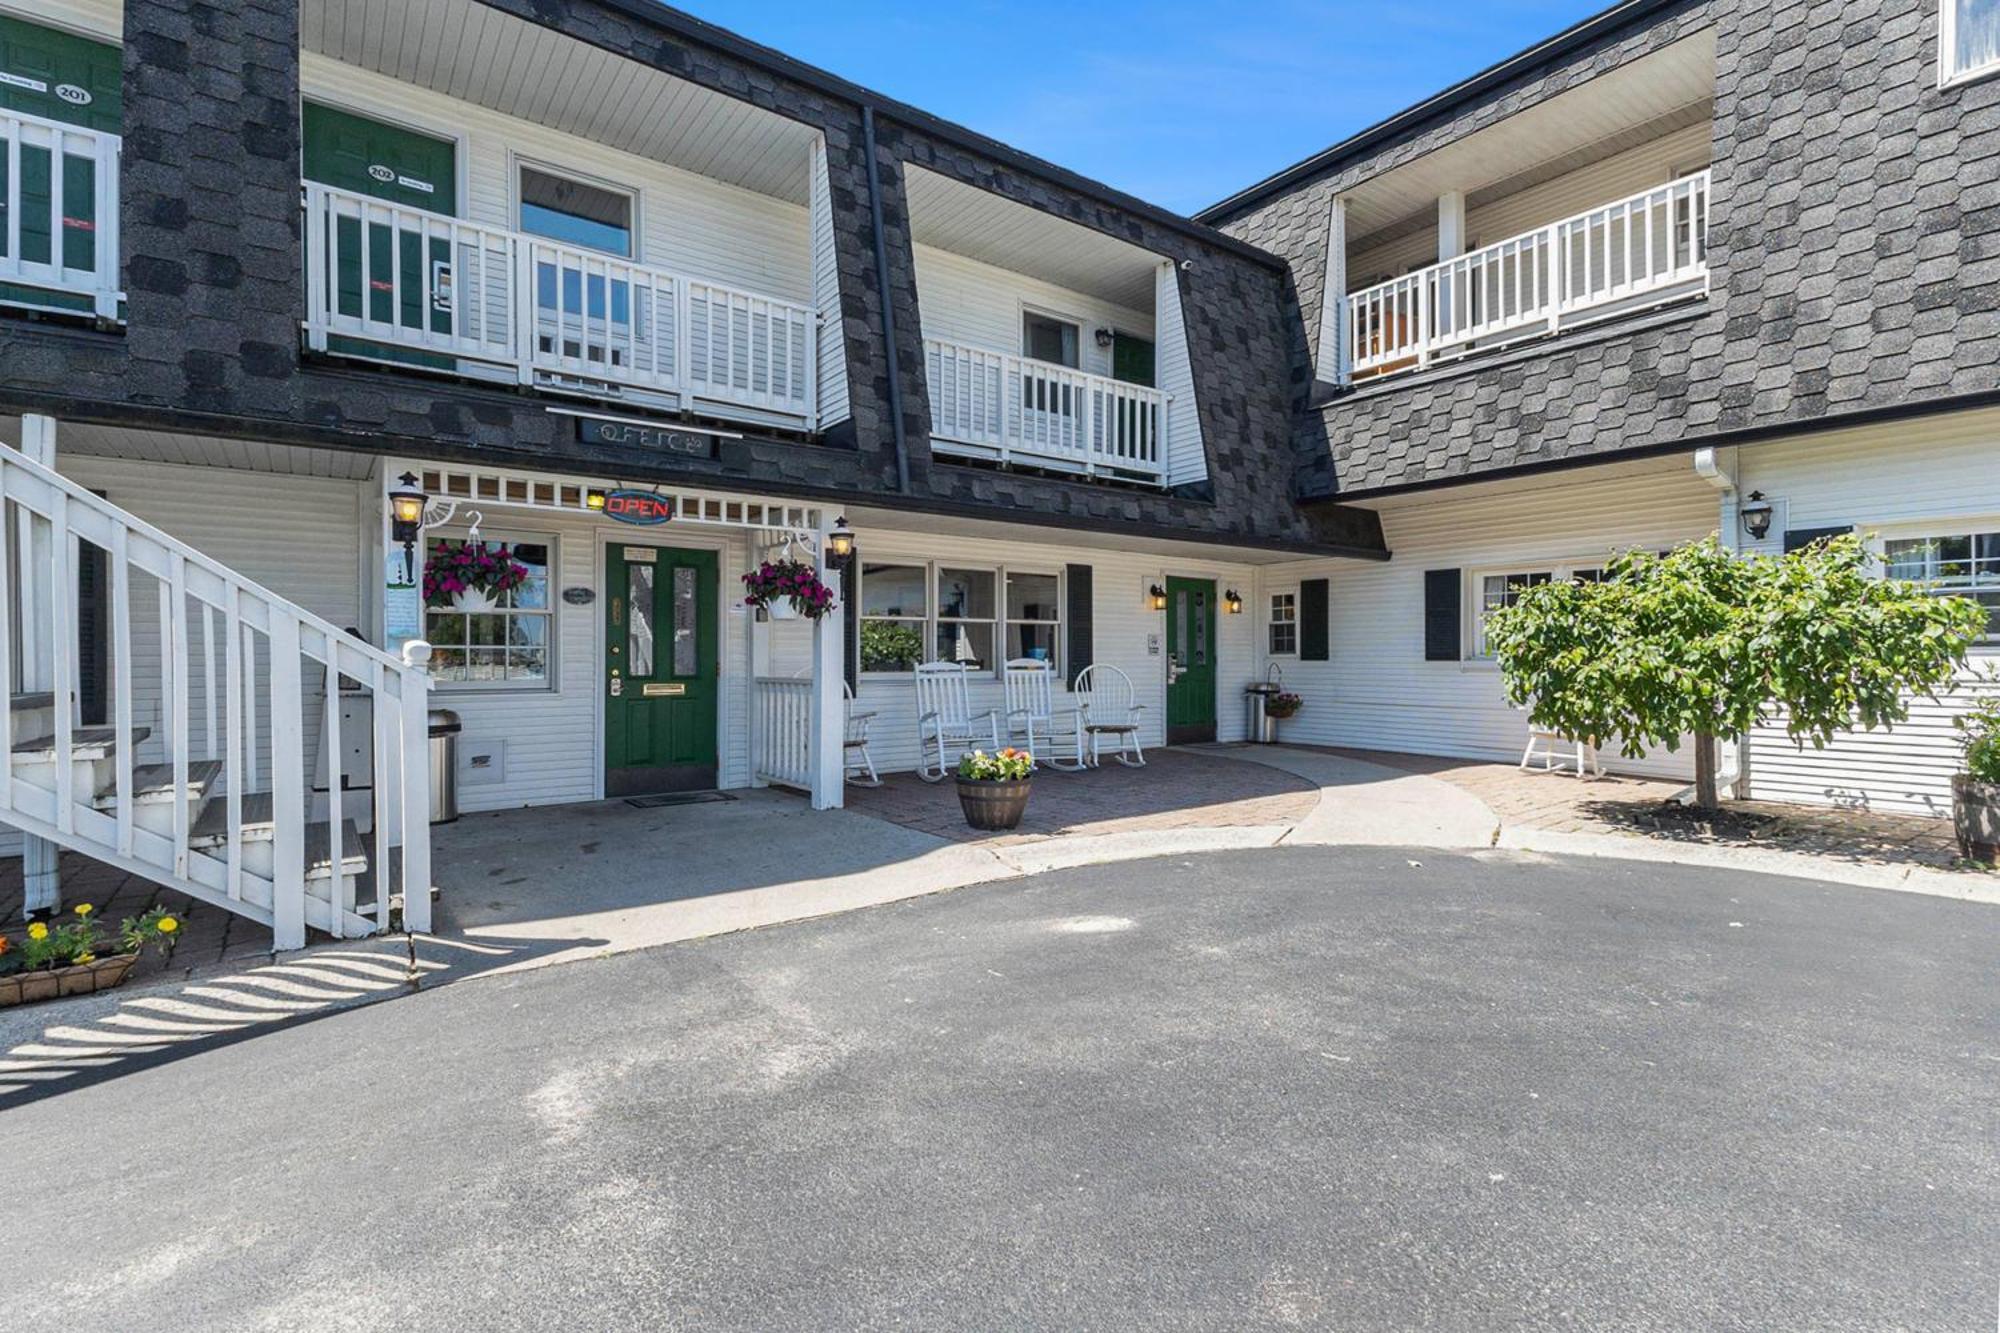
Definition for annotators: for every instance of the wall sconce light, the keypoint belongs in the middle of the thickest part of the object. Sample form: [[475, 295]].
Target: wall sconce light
[[1232, 602], [1756, 515], [1105, 337], [1157, 596], [840, 544], [406, 519]]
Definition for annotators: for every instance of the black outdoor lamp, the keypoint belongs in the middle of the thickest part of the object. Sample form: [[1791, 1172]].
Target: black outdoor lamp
[[840, 544], [1756, 513], [1105, 337], [1157, 596], [406, 519], [1232, 602]]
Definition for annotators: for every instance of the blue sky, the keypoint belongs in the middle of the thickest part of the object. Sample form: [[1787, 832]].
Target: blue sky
[[1178, 103]]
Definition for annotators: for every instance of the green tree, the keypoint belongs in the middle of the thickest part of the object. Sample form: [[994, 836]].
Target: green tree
[[1701, 642]]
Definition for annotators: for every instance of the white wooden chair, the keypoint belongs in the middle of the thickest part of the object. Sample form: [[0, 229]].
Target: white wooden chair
[[1110, 709], [857, 765], [1031, 712], [945, 718], [1545, 753]]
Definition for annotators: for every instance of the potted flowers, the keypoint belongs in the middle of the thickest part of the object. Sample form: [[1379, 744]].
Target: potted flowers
[[1283, 705], [471, 576], [67, 959], [1975, 791], [993, 788], [785, 589]]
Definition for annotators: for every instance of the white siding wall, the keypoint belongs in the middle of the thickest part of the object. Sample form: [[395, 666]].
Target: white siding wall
[[687, 222], [1187, 458], [96, 18], [832, 358], [1896, 481], [966, 301], [1615, 177], [1378, 692]]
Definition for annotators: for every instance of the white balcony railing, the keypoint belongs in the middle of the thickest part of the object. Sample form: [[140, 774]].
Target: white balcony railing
[[1635, 252], [999, 405], [403, 284], [58, 216], [781, 731]]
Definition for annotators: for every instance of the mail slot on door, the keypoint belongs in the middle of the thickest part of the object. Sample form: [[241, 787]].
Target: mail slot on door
[[658, 691]]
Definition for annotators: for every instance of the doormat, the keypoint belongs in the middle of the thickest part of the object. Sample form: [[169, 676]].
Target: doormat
[[677, 798]]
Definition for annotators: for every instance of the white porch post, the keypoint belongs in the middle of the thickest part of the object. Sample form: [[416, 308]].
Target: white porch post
[[1334, 353], [41, 871], [760, 667], [829, 706], [1451, 244]]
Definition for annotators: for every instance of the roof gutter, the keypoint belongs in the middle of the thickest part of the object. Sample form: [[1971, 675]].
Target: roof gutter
[[887, 295], [1554, 48]]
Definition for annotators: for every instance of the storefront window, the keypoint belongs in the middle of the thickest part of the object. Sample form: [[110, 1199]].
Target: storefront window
[[895, 609], [487, 610]]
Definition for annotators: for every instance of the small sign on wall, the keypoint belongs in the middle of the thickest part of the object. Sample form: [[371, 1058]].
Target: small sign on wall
[[662, 439]]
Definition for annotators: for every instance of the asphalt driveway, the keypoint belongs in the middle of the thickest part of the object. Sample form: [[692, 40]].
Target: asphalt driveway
[[1326, 1088]]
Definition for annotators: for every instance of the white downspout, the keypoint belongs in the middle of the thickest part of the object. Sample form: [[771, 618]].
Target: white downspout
[[1718, 469]]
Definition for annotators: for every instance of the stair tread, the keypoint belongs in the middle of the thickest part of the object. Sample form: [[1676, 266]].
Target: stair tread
[[80, 738], [158, 780], [211, 830], [29, 702], [214, 819]]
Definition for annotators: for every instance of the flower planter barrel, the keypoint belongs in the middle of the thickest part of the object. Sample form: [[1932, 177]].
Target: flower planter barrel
[[994, 806], [1975, 810], [82, 979]]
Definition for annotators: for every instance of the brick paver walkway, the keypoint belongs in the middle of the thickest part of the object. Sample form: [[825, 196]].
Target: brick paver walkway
[[1624, 805], [1176, 789], [208, 935]]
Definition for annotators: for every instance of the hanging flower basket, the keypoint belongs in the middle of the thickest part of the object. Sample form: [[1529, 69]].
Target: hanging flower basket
[[1282, 705], [53, 959], [787, 588], [471, 576]]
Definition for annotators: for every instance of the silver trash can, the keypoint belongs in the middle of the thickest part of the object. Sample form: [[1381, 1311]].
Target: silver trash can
[[1262, 728], [444, 726]]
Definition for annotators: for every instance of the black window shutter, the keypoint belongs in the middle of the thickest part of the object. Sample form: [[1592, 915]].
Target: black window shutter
[[1081, 601], [1441, 615], [1312, 620], [1797, 539], [851, 620]]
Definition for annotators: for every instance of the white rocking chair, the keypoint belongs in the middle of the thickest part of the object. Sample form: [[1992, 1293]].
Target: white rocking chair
[[945, 718], [1104, 694], [1031, 710], [1545, 746]]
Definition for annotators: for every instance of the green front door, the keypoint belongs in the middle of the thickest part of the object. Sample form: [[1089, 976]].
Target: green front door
[[74, 81], [407, 285], [660, 655], [1190, 661]]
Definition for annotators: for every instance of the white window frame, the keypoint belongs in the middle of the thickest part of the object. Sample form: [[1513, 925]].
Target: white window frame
[[1083, 331], [521, 162], [1948, 71], [1935, 530], [1559, 571], [926, 636], [933, 618], [1273, 622], [552, 671]]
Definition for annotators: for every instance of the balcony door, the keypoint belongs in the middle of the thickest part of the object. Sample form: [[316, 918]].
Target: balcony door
[[395, 281], [52, 76], [584, 308], [1052, 404]]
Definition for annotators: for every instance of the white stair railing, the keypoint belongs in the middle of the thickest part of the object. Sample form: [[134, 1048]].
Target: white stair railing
[[60, 239], [781, 731], [1016, 409], [1648, 247], [385, 281], [202, 777]]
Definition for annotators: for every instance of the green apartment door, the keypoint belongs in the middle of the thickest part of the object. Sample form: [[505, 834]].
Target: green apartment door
[[660, 654], [1190, 661], [74, 81], [406, 286]]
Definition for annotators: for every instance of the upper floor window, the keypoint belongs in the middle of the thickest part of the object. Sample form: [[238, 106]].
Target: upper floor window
[[1960, 564], [1968, 38], [576, 212], [1046, 338]]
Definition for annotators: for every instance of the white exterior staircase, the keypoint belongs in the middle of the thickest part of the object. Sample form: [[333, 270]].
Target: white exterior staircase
[[203, 775]]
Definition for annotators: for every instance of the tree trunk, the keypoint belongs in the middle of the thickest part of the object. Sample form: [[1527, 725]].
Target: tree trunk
[[1706, 796]]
